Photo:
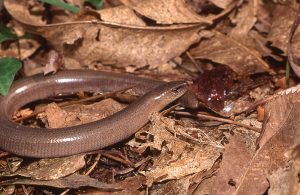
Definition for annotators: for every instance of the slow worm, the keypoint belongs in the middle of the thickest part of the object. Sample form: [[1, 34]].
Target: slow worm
[[44, 143]]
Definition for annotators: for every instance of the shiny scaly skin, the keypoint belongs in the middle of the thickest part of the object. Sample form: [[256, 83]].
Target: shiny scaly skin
[[45, 143]]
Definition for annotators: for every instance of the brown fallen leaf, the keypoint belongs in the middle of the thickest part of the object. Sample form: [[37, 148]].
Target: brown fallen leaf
[[286, 180], [279, 180], [186, 158], [280, 135], [121, 15], [293, 49], [23, 49], [167, 11], [246, 171], [222, 3], [234, 163], [179, 186], [245, 19], [71, 181], [79, 114], [49, 169], [225, 50], [280, 28], [202, 182], [293, 181], [85, 42]]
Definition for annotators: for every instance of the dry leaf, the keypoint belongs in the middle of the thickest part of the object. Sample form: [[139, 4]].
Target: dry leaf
[[167, 11], [85, 42], [179, 186], [225, 50], [222, 3], [234, 163], [279, 181], [72, 181], [186, 158], [271, 156], [294, 185], [121, 15], [283, 17], [49, 169], [26, 47], [245, 19], [243, 173], [79, 114], [244, 31]]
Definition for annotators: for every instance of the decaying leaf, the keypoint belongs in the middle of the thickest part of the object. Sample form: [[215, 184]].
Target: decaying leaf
[[179, 186], [280, 28], [85, 42], [167, 11], [49, 169], [274, 146], [121, 15], [293, 181], [244, 171], [56, 117], [279, 180], [23, 49], [234, 163], [245, 19], [293, 49], [225, 50], [222, 3], [72, 181], [186, 158]]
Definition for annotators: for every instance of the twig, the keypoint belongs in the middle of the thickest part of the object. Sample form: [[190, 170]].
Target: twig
[[189, 55], [118, 159], [88, 172], [168, 110], [25, 190], [221, 120], [93, 165]]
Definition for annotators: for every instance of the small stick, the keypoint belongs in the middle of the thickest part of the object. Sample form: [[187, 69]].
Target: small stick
[[221, 120], [194, 62], [118, 159], [87, 173], [93, 165]]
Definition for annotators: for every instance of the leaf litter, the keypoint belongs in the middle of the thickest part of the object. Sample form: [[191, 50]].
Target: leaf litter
[[232, 52]]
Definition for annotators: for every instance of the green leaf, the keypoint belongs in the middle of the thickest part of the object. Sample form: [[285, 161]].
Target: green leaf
[[6, 34], [59, 3], [8, 68], [96, 3]]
